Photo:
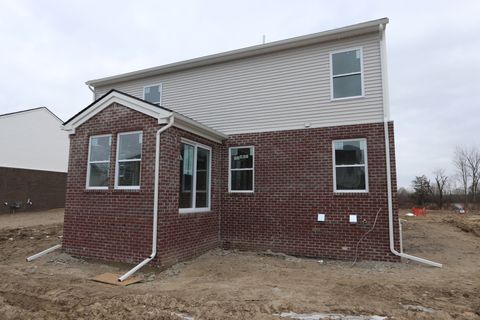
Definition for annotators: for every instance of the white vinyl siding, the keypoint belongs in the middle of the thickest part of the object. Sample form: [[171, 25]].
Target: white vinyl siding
[[277, 91]]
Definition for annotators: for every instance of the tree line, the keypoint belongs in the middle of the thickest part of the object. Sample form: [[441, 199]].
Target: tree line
[[459, 187]]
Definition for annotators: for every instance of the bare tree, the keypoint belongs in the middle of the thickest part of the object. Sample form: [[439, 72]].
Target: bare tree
[[440, 180], [460, 162], [472, 157], [422, 190]]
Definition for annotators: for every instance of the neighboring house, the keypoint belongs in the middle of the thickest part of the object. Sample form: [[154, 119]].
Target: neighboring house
[[33, 160], [280, 146]]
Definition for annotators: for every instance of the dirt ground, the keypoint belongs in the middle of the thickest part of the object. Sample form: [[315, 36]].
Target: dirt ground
[[30, 219], [243, 285]]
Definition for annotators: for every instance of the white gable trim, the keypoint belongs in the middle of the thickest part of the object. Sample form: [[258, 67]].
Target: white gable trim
[[158, 113], [116, 97]]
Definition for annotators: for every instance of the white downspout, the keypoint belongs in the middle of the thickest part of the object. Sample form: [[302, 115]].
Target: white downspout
[[93, 91], [155, 204], [386, 112], [44, 252]]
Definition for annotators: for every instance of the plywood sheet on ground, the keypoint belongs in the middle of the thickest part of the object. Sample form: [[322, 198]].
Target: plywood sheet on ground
[[111, 278]]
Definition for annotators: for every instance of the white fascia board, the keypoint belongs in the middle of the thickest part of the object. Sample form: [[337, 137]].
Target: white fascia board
[[116, 97], [198, 129], [329, 35]]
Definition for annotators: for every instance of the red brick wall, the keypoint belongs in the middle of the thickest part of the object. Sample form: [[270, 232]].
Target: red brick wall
[[184, 236], [117, 224], [45, 189], [294, 182]]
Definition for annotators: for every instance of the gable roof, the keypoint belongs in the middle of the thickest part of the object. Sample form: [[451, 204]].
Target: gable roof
[[314, 38], [31, 110], [160, 113]]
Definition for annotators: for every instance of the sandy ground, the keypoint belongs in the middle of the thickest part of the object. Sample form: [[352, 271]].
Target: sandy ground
[[242, 285], [30, 219]]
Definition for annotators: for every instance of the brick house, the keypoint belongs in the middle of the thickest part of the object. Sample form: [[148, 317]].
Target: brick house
[[286, 146]]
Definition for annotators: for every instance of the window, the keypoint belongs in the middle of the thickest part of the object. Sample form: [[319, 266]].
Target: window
[[153, 93], [350, 165], [346, 68], [195, 167], [241, 165], [98, 162], [129, 159]]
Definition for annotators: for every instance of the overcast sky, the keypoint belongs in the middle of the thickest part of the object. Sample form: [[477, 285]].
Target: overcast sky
[[48, 50]]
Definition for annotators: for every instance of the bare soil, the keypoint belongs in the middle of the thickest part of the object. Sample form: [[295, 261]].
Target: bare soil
[[244, 285], [30, 219]]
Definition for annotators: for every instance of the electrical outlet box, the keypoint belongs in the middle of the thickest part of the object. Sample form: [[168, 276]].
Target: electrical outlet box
[[353, 218], [320, 217]]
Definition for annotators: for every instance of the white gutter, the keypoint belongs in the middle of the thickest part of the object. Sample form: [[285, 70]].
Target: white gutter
[[386, 112], [155, 205]]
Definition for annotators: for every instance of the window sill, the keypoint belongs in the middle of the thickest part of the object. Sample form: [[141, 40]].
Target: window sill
[[134, 191], [351, 193], [96, 190], [241, 192], [347, 98], [125, 190], [194, 211]]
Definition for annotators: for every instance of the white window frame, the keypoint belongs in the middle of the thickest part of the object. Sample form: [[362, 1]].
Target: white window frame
[[195, 145], [87, 183], [362, 95], [252, 148], [117, 162], [159, 88], [335, 166]]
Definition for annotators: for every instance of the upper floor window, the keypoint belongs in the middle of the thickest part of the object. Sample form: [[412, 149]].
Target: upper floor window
[[350, 165], [98, 162], [129, 159], [153, 93], [241, 175], [195, 179], [347, 77]]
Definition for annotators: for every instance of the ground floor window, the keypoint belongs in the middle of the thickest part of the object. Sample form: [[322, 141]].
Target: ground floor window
[[195, 177], [241, 169], [98, 162], [350, 165], [129, 160]]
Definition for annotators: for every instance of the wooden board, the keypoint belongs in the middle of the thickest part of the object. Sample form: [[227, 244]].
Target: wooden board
[[112, 278]]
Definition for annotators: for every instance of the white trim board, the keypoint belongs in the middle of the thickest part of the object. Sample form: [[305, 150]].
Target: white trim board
[[153, 111]]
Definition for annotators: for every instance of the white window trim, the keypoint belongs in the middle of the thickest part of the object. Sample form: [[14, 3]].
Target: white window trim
[[350, 165], [194, 178], [346, 74], [252, 148], [159, 88], [87, 183], [117, 161]]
